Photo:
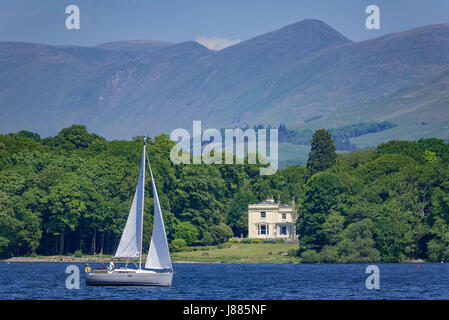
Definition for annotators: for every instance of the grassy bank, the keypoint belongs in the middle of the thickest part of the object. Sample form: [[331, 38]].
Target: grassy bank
[[241, 253], [228, 253]]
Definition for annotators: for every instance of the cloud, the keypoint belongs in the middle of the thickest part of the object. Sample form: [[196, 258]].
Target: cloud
[[215, 43]]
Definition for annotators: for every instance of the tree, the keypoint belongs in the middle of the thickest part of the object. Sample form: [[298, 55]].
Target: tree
[[310, 256], [74, 137], [176, 244], [333, 227], [321, 195], [10, 227], [221, 233], [329, 254], [187, 232], [207, 239], [322, 154], [394, 233], [438, 247], [74, 191], [237, 216], [357, 244], [66, 204]]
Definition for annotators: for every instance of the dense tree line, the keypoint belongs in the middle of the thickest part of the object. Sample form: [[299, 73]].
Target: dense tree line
[[73, 192], [385, 204]]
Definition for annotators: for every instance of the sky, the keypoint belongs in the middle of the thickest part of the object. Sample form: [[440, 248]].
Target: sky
[[216, 23]]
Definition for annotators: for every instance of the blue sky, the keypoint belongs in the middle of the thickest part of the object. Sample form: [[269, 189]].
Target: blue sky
[[182, 20]]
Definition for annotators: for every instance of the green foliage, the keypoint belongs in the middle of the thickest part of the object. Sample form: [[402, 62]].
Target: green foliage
[[75, 137], [395, 236], [333, 227], [357, 244], [430, 157], [321, 196], [72, 193], [384, 166], [30, 135], [406, 148], [310, 256], [177, 244], [329, 254], [322, 153], [224, 245], [220, 233], [237, 216], [438, 247], [207, 239], [187, 232], [10, 226], [78, 253]]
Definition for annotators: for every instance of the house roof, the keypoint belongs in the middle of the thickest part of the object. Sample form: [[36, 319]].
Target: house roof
[[267, 202]]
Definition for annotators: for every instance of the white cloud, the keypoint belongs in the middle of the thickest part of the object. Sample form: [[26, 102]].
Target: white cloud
[[215, 43]]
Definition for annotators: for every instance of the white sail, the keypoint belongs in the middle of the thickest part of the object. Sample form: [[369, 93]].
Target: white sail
[[131, 242], [158, 254]]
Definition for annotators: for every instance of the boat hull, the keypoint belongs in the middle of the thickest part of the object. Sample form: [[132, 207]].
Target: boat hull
[[130, 278]]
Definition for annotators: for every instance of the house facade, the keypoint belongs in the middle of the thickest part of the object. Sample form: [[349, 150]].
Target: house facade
[[272, 220]]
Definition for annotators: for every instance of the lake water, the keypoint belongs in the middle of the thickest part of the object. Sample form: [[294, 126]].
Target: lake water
[[238, 281]]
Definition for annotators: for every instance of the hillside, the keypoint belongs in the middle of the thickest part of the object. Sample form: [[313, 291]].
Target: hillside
[[420, 111], [287, 76]]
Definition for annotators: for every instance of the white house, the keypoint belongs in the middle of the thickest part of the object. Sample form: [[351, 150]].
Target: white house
[[271, 220]]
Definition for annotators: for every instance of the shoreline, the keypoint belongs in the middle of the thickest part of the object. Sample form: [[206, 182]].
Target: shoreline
[[65, 259], [106, 259]]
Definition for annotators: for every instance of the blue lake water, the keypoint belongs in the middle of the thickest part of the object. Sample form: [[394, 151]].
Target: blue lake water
[[238, 281]]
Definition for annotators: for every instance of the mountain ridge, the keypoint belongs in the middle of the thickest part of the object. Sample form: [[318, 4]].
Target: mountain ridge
[[298, 72]]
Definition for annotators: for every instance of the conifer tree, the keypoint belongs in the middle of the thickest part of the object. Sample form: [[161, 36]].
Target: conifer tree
[[322, 154]]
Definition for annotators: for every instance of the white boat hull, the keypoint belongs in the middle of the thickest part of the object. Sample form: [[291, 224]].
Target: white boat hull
[[130, 277]]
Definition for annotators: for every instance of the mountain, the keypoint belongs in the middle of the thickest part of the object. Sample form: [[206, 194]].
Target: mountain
[[304, 70], [134, 47]]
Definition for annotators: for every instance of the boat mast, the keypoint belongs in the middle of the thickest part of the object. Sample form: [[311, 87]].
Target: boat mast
[[143, 197]]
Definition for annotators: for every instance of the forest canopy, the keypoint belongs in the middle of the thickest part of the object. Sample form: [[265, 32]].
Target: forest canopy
[[73, 192]]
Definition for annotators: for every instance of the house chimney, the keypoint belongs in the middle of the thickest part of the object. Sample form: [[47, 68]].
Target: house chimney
[[279, 199], [293, 202]]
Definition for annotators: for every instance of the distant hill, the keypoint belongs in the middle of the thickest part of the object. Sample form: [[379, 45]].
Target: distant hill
[[135, 47], [302, 71], [420, 111]]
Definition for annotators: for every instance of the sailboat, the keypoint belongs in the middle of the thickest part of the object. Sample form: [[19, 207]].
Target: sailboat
[[158, 269]]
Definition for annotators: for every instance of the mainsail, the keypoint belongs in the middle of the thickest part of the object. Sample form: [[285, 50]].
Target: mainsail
[[131, 242], [158, 254]]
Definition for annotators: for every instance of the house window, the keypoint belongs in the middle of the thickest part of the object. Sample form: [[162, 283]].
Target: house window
[[284, 216], [263, 229], [263, 214], [283, 230]]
